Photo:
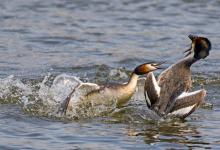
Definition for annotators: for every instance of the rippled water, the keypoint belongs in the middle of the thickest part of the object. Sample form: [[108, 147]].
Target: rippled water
[[101, 41]]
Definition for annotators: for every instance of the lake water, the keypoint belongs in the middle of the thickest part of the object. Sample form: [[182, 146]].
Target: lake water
[[101, 41]]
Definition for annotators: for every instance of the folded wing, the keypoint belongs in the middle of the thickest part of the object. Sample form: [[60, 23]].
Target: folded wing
[[151, 90]]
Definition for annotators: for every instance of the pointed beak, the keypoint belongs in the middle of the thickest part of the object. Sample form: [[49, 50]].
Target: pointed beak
[[158, 65], [192, 37], [188, 52]]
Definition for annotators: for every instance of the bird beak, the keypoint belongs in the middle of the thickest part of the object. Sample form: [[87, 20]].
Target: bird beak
[[192, 37], [188, 52], [158, 65]]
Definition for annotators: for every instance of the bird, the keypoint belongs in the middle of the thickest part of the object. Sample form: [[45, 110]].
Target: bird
[[91, 94], [170, 95]]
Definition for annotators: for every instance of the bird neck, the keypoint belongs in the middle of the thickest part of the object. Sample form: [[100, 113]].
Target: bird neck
[[189, 60], [132, 83]]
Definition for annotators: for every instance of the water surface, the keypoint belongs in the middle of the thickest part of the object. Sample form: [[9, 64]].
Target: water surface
[[102, 41]]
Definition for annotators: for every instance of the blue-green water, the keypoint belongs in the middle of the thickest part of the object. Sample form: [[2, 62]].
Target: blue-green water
[[101, 41]]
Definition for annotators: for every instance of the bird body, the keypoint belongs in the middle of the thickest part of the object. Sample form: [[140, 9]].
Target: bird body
[[91, 94], [169, 95]]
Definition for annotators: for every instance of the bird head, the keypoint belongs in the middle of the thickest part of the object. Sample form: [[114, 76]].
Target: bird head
[[147, 67], [200, 47]]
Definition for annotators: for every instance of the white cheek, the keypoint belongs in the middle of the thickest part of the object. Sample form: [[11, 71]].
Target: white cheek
[[202, 54], [151, 67]]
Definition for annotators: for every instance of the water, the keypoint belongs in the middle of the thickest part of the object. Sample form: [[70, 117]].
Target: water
[[101, 42]]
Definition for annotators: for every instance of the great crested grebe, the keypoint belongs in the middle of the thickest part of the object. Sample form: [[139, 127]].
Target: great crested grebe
[[94, 95], [168, 96]]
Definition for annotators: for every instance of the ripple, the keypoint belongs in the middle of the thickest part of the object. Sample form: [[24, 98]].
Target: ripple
[[101, 41]]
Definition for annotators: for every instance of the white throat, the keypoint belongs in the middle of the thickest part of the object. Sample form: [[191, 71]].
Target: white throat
[[132, 83]]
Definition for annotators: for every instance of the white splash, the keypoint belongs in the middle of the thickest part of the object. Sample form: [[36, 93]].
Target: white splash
[[11, 88]]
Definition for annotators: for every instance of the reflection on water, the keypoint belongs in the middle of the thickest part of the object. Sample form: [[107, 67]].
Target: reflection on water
[[175, 132], [100, 41]]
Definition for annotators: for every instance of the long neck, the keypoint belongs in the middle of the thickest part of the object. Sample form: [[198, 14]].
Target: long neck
[[189, 60], [132, 83], [125, 92]]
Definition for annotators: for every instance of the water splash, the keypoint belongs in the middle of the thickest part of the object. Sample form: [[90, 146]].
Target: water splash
[[11, 90], [45, 97], [48, 98]]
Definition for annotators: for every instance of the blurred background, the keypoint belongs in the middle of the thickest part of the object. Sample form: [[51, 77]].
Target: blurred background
[[102, 41]]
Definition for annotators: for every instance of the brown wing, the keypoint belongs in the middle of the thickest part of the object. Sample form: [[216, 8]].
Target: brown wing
[[173, 81], [187, 103]]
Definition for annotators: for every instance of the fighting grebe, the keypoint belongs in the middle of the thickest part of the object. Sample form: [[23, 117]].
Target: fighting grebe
[[169, 95], [94, 95]]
